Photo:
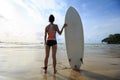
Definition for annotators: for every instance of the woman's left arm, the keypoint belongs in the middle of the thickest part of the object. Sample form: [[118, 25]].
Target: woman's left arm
[[45, 35]]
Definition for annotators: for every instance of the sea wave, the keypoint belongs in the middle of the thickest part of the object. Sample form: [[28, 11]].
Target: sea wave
[[21, 45], [61, 46]]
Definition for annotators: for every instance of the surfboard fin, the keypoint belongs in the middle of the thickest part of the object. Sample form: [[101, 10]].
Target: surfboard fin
[[81, 60], [69, 60]]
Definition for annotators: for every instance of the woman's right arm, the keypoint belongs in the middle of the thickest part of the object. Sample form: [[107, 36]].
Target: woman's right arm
[[60, 32]]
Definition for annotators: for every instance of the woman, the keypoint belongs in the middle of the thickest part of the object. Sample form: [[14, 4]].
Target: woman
[[50, 41]]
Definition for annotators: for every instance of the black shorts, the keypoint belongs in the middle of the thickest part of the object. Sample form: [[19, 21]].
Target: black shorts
[[51, 42]]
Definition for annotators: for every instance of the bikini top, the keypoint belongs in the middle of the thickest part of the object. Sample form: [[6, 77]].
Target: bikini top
[[51, 32]]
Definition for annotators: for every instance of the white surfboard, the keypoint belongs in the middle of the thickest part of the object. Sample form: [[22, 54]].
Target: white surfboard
[[74, 38]]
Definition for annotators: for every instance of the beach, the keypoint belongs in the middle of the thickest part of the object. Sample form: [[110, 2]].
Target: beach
[[25, 62]]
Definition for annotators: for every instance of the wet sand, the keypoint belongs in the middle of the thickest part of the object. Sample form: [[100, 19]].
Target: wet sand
[[26, 63]]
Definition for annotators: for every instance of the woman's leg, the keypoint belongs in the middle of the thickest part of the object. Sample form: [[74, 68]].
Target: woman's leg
[[54, 50], [47, 51]]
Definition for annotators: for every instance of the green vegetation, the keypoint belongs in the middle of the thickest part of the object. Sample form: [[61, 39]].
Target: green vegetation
[[112, 39]]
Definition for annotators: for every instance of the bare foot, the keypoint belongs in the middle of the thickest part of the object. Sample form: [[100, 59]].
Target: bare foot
[[45, 69], [55, 71]]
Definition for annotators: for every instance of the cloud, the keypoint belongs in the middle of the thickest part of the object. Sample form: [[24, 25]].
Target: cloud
[[1, 16], [27, 18]]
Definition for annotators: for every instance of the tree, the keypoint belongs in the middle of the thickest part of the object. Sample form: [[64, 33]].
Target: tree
[[112, 39]]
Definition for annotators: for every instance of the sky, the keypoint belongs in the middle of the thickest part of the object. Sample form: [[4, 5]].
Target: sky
[[25, 20]]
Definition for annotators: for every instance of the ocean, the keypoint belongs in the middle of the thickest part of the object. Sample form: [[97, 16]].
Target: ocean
[[89, 49], [61, 46]]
